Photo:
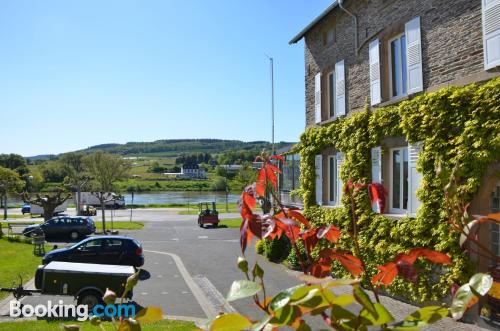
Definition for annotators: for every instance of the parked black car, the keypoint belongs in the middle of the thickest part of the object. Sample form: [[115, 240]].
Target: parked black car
[[74, 227], [100, 250]]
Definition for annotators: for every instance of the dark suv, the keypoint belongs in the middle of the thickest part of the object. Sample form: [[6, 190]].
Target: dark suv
[[100, 250], [66, 226]]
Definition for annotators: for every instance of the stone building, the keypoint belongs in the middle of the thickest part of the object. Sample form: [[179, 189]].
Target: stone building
[[386, 51]]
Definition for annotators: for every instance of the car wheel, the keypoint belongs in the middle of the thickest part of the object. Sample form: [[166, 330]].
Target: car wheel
[[90, 299], [74, 235], [215, 225]]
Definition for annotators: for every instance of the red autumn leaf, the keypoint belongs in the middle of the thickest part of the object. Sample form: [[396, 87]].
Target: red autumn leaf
[[310, 239], [271, 176], [407, 271], [495, 217], [330, 233], [386, 275], [278, 157], [245, 235], [298, 217], [350, 262], [248, 199], [432, 256], [377, 193], [320, 269], [260, 185], [291, 230], [273, 168]]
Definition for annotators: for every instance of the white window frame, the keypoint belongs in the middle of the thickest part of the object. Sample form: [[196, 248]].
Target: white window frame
[[332, 182], [331, 98], [400, 210], [389, 58]]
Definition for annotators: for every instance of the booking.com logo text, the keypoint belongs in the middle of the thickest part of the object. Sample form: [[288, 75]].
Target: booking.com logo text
[[78, 312]]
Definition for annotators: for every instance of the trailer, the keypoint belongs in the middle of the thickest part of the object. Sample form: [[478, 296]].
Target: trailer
[[86, 282], [38, 210], [113, 200]]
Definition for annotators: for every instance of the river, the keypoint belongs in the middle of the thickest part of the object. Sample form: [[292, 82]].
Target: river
[[162, 197]]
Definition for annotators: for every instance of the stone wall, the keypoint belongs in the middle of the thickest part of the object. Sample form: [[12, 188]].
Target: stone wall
[[452, 46]]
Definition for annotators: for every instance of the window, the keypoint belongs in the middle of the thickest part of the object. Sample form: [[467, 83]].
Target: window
[[91, 245], [332, 180], [329, 37], [397, 67], [331, 94], [399, 180]]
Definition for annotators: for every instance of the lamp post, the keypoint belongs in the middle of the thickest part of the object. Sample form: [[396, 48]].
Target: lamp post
[[271, 63]]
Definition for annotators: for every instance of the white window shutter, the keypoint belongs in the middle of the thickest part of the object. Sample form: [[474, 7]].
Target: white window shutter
[[376, 171], [340, 186], [317, 98], [491, 33], [376, 164], [319, 179], [414, 177], [414, 56], [340, 99], [374, 54]]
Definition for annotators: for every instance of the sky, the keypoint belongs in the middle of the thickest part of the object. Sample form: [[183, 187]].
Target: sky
[[74, 74]]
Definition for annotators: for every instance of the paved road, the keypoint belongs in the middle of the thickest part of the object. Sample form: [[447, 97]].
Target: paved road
[[191, 270]]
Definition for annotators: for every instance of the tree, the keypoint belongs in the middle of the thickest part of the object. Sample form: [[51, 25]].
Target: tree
[[76, 177], [10, 181], [48, 201], [104, 169]]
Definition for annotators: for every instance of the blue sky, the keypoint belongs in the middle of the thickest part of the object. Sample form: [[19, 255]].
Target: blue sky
[[79, 73]]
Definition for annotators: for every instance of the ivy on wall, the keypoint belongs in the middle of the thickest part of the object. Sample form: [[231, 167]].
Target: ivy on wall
[[460, 129]]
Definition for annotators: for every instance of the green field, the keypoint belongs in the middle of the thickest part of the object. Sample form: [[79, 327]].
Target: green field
[[231, 223], [54, 325], [120, 225], [17, 260]]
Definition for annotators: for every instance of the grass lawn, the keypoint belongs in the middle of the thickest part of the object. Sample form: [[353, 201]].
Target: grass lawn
[[231, 223], [49, 326], [17, 259], [26, 216], [221, 208], [120, 225]]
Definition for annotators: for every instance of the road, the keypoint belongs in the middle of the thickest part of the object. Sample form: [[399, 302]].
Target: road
[[191, 270]]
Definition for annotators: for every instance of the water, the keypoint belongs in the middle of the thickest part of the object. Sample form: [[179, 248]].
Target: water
[[178, 197], [144, 198]]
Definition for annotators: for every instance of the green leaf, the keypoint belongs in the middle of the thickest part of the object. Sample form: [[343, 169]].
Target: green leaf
[[381, 315], [341, 314], [343, 300], [421, 318], [363, 299], [302, 291], [460, 301], [242, 264], [283, 298], [230, 322], [481, 283], [341, 282], [285, 315], [257, 271], [242, 289]]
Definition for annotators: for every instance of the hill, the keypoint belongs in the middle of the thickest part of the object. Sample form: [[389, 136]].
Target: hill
[[176, 147]]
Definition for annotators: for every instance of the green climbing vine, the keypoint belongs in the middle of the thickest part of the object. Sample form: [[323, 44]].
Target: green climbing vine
[[459, 128]]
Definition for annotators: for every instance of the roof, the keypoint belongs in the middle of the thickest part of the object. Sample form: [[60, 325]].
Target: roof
[[301, 34], [90, 268]]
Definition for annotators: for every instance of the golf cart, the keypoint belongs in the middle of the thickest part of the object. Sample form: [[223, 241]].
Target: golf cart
[[208, 214]]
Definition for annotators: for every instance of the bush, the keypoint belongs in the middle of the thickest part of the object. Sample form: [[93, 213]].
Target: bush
[[259, 247], [277, 250]]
